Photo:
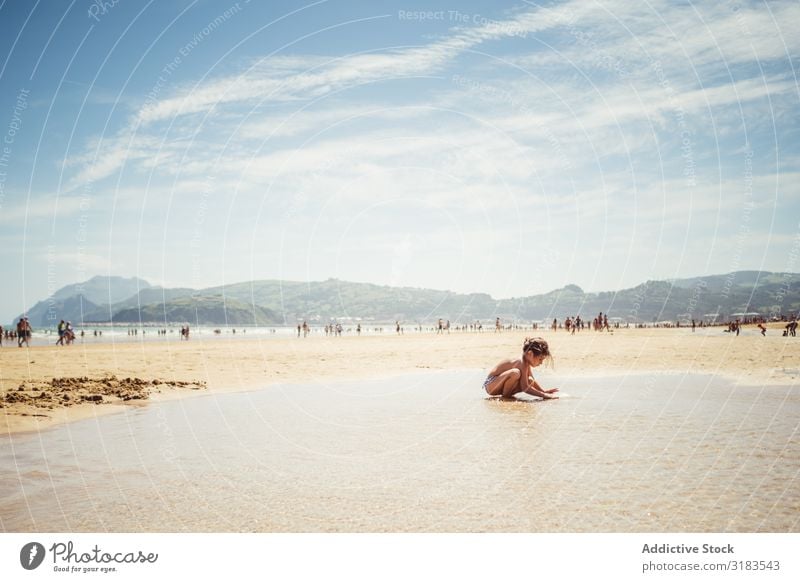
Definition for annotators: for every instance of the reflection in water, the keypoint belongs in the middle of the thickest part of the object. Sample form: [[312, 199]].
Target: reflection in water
[[421, 453]]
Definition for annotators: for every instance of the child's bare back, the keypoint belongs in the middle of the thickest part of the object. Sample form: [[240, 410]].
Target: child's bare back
[[506, 365]]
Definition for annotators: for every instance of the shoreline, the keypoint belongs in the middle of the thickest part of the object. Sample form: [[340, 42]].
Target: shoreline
[[166, 371]]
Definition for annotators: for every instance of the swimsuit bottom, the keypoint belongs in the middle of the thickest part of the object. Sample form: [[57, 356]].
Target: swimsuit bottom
[[488, 381]]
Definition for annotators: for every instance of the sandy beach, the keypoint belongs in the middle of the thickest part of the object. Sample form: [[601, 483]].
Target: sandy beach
[[656, 430], [46, 385]]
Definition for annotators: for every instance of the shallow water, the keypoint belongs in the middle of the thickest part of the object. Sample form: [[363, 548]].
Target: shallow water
[[421, 453]]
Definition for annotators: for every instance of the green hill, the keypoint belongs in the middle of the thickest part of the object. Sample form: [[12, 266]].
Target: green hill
[[202, 310], [271, 302], [337, 299]]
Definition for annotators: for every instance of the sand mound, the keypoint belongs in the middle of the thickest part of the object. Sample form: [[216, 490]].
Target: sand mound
[[64, 392]]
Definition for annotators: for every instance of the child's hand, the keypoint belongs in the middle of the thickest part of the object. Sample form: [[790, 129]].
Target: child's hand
[[551, 391]]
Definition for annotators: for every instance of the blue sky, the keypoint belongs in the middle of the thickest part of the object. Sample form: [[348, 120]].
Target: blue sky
[[467, 146]]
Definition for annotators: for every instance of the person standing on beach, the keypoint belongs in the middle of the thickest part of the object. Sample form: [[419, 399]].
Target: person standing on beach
[[61, 328], [511, 377], [26, 334]]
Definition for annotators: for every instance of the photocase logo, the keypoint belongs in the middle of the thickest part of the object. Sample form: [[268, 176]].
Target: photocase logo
[[31, 555]]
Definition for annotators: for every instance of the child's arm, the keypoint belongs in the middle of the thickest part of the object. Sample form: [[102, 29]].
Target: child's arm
[[535, 384], [535, 390]]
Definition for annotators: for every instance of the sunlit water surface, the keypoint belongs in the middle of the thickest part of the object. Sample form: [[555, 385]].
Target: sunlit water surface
[[425, 453]]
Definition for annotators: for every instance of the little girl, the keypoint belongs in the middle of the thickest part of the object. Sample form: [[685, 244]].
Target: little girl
[[511, 377]]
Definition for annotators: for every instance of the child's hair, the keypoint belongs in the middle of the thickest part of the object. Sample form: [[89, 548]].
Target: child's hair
[[539, 347]]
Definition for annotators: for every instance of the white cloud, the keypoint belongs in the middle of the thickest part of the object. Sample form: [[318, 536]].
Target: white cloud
[[574, 117], [39, 207], [315, 121], [277, 79], [110, 155], [624, 37], [560, 153]]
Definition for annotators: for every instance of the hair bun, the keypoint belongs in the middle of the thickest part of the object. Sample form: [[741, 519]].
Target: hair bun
[[537, 345]]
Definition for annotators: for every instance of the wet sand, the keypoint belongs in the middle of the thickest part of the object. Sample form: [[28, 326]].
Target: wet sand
[[422, 453], [174, 369]]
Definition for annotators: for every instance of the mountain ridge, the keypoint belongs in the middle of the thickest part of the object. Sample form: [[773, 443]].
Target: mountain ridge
[[279, 302]]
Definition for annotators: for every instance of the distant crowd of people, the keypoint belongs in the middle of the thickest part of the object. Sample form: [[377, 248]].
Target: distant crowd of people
[[572, 324], [789, 330]]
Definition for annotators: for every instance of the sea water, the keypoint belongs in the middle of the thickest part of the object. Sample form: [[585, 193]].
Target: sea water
[[422, 453]]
